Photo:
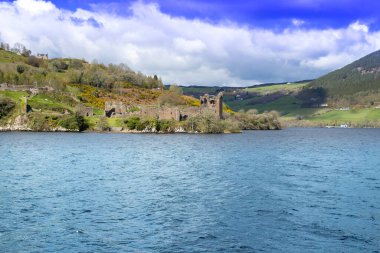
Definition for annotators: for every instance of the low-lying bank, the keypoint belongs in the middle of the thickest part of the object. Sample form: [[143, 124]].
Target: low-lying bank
[[330, 123], [205, 123]]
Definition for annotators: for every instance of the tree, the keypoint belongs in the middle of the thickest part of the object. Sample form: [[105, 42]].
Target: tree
[[26, 52], [20, 69], [312, 97], [6, 106], [176, 89], [18, 48], [60, 65], [4, 46]]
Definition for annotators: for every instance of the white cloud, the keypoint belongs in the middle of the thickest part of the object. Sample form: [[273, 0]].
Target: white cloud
[[189, 46], [182, 50], [297, 22], [34, 7], [357, 26]]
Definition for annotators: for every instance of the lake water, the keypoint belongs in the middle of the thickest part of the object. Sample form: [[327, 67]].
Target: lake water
[[295, 190]]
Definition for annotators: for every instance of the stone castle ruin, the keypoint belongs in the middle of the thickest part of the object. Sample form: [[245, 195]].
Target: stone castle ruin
[[42, 56], [84, 110], [118, 109], [28, 88], [209, 104], [115, 109], [213, 104]]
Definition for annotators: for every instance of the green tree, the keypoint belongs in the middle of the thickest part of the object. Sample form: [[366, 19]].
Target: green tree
[[176, 89], [20, 69], [6, 106]]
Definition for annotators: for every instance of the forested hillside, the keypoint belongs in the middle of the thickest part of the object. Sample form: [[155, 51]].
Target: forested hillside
[[360, 78]]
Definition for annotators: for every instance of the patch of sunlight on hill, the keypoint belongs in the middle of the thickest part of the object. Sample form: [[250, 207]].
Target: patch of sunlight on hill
[[289, 87], [357, 115]]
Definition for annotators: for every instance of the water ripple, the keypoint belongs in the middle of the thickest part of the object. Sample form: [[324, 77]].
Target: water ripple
[[294, 190]]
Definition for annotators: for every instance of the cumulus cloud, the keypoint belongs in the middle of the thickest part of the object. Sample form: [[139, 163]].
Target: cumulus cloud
[[297, 22], [181, 50]]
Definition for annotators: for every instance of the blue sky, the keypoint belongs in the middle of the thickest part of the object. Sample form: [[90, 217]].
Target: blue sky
[[276, 14], [201, 42]]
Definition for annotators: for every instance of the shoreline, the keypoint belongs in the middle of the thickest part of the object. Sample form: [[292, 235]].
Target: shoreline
[[170, 133]]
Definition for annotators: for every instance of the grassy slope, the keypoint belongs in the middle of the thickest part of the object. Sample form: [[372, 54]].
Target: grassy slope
[[355, 116], [286, 104], [290, 107], [9, 57], [289, 87], [14, 95], [45, 102], [361, 75], [51, 103]]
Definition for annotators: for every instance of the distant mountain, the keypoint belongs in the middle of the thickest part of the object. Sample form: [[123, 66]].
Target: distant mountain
[[362, 75]]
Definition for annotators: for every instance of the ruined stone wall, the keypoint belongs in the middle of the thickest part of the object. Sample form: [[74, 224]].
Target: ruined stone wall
[[212, 104], [114, 109], [219, 105], [30, 88], [85, 111], [5, 86], [209, 104], [166, 113], [155, 112]]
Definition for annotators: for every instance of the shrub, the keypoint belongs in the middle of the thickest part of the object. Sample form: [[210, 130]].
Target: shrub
[[172, 99], [6, 106], [20, 69], [103, 124], [132, 122], [60, 65], [166, 126], [34, 61], [74, 122], [76, 64], [142, 124], [210, 124], [206, 123], [264, 121]]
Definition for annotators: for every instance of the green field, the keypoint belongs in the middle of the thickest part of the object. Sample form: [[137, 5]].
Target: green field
[[286, 105], [44, 102], [14, 95], [290, 108], [288, 87], [355, 116]]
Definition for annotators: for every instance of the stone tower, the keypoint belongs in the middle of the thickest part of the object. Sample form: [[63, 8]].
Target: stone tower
[[213, 104], [219, 105]]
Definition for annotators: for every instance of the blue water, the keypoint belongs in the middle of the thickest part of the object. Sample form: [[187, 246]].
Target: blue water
[[295, 190]]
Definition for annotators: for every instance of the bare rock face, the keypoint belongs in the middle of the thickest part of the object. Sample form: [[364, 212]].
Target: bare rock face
[[180, 130], [20, 123], [61, 129]]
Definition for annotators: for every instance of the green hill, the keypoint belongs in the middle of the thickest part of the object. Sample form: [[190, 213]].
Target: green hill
[[361, 76]]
